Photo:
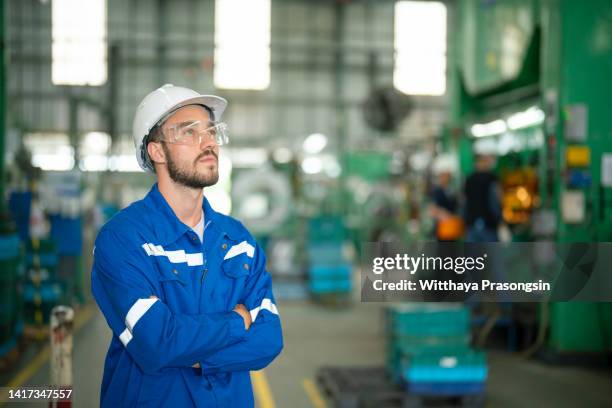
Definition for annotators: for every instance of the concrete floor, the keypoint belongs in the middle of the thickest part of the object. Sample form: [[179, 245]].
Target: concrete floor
[[316, 336]]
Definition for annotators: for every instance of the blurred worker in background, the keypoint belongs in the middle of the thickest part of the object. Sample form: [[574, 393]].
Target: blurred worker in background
[[482, 201], [448, 225], [183, 288], [444, 205]]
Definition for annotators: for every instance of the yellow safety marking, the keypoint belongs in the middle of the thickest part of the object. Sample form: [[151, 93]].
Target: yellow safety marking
[[261, 389], [313, 393]]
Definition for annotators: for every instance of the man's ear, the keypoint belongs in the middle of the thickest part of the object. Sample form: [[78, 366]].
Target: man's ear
[[156, 152]]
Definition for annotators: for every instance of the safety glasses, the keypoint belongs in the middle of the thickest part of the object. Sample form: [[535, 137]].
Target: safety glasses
[[192, 133]]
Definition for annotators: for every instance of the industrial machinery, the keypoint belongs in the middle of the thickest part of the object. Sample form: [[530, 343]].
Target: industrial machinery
[[528, 80]]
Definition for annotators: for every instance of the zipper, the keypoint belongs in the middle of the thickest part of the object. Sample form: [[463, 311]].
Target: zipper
[[204, 272]]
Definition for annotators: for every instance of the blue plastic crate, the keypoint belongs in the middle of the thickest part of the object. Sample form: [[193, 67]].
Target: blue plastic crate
[[451, 347], [47, 260], [9, 247], [339, 272], [67, 233], [327, 253], [327, 228], [439, 374], [463, 366], [466, 357], [428, 320], [48, 292], [329, 286], [290, 290]]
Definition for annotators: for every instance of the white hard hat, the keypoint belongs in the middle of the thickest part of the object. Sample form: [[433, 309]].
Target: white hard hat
[[445, 163], [161, 102]]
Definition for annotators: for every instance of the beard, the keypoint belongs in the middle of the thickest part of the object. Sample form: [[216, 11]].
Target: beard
[[191, 179]]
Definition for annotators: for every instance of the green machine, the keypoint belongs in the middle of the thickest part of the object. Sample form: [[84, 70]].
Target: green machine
[[545, 63]]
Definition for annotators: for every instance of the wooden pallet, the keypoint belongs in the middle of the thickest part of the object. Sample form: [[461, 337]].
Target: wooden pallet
[[372, 387], [360, 387], [425, 401]]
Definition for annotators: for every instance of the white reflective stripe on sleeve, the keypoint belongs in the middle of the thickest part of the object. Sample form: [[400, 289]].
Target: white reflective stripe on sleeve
[[265, 304], [177, 256], [125, 337], [137, 311], [241, 248]]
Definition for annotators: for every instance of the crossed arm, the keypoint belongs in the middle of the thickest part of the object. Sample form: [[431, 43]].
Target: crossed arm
[[247, 338]]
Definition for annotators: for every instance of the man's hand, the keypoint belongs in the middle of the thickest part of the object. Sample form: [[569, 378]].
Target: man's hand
[[246, 316]]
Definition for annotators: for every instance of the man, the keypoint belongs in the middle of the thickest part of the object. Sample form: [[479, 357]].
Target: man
[[183, 288], [482, 202], [444, 205]]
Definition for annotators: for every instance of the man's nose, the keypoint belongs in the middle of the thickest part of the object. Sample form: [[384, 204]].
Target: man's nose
[[207, 142]]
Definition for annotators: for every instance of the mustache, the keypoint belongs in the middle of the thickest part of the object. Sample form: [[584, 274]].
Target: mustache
[[208, 152]]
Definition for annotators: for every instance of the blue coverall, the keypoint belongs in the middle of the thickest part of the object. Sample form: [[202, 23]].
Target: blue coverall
[[168, 299]]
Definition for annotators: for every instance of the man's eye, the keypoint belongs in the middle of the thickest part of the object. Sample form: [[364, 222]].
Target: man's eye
[[188, 132]]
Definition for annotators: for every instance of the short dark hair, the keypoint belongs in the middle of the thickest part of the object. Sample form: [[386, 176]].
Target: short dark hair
[[155, 135]]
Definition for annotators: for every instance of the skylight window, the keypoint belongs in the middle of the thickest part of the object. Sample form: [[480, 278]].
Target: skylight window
[[79, 42], [242, 44], [420, 47]]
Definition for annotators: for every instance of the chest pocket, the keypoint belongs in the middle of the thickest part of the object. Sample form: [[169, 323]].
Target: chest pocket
[[235, 270], [175, 284], [237, 267]]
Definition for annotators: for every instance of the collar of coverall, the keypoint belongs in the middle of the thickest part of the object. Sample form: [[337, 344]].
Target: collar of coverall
[[170, 231]]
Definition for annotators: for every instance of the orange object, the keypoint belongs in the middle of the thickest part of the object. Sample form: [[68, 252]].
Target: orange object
[[450, 229]]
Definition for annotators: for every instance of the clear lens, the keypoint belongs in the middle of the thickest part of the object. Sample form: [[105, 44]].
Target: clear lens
[[193, 133], [221, 134]]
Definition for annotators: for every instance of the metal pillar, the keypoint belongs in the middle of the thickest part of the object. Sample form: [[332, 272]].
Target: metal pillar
[[61, 323], [161, 45], [73, 127], [339, 106], [2, 100], [113, 93]]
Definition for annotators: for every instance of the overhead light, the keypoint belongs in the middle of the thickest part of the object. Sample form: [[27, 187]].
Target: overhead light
[[495, 127], [508, 142], [332, 167], [95, 143], [315, 143], [531, 117], [247, 156], [94, 162], [282, 155], [312, 165], [487, 145], [123, 163], [61, 161]]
